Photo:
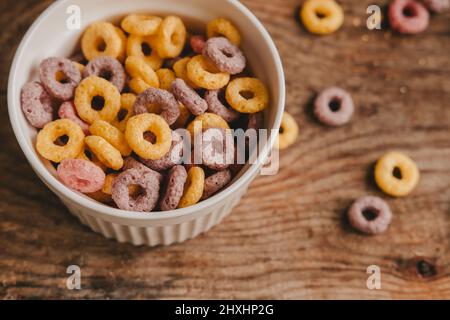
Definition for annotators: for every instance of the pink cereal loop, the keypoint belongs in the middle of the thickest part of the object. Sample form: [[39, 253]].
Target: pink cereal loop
[[81, 175], [67, 111], [176, 179], [37, 104], [417, 20]]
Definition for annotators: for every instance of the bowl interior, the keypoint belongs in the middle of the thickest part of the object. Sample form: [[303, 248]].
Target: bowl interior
[[50, 36]]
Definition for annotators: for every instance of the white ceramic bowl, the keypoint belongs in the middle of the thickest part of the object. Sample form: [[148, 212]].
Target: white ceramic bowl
[[49, 36]]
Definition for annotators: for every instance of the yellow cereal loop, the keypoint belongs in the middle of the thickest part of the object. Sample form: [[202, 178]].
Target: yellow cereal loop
[[206, 121], [54, 130], [247, 95], [101, 39], [111, 134], [126, 111], [396, 174], [87, 155], [203, 74], [90, 88], [193, 188], [288, 132], [141, 25], [180, 69], [142, 75], [138, 125], [105, 152], [223, 27], [143, 47], [182, 118], [123, 45], [171, 37], [109, 179], [322, 16], [166, 77]]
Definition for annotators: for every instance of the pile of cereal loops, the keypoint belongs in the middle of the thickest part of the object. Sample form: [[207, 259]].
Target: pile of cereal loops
[[114, 137]]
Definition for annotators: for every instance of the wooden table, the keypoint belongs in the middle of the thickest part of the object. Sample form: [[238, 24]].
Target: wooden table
[[288, 238]]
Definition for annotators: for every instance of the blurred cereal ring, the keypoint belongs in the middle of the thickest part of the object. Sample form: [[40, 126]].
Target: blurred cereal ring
[[64, 89], [437, 6], [225, 56], [408, 16], [37, 104], [141, 25], [166, 77], [144, 47], [105, 152], [111, 134], [223, 27], [215, 105], [142, 75], [288, 132], [193, 188], [81, 175], [188, 97], [176, 178], [334, 106], [379, 208], [205, 75], [107, 68], [161, 98], [322, 16], [258, 98], [216, 182], [102, 39], [171, 37]]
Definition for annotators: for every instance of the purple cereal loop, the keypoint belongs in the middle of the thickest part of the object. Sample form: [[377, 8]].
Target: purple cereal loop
[[146, 201], [167, 102], [216, 182], [188, 97], [171, 158], [131, 163], [217, 148], [224, 55], [323, 107], [109, 68], [437, 6], [176, 178], [376, 206], [37, 104], [81, 175], [67, 110], [48, 70], [415, 22], [215, 105]]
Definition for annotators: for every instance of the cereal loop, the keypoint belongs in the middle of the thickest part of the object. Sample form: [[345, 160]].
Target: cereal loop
[[180, 69], [142, 75], [171, 158], [334, 107], [322, 16], [171, 37], [131, 163], [105, 152], [223, 27], [166, 77], [107, 68], [176, 178], [67, 111], [225, 56], [205, 75], [65, 88], [37, 104], [141, 25], [247, 95], [107, 186], [81, 175], [101, 39], [193, 188], [126, 111], [408, 16], [215, 183], [144, 48], [111, 134], [155, 99], [215, 105], [206, 121], [288, 132], [370, 215], [188, 97]]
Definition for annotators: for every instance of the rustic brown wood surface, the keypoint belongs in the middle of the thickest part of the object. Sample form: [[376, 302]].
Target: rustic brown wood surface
[[288, 238]]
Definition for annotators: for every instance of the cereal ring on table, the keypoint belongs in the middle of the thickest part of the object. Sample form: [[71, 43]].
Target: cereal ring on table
[[437, 6], [334, 107], [141, 25], [223, 27], [197, 43], [288, 132], [100, 196], [176, 178], [157, 98], [64, 89], [370, 215], [142, 75], [46, 138], [396, 174], [193, 188], [171, 158], [225, 56], [166, 77], [81, 175], [206, 121], [322, 16], [144, 48], [138, 125], [171, 37], [145, 201], [101, 39], [182, 118], [236, 95], [214, 100], [205, 75], [180, 69], [131, 163], [216, 182], [126, 111], [91, 88], [67, 111], [37, 104], [107, 68], [188, 97], [105, 152], [408, 16], [111, 134], [217, 148]]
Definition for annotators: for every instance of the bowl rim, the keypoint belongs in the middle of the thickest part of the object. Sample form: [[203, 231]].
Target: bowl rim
[[58, 187]]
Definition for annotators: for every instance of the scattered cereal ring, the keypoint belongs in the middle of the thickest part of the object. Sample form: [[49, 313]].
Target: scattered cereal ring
[[322, 16], [288, 132], [171, 158], [188, 97], [180, 69], [131, 163], [138, 125], [142, 75], [37, 104], [334, 107], [81, 175], [171, 37], [46, 138], [225, 56], [111, 134], [176, 178], [166, 77], [163, 99], [193, 188], [183, 117], [90, 88], [105, 152], [408, 16], [216, 104], [203, 74], [437, 6], [101, 39], [126, 111], [67, 111], [396, 174], [206, 121], [144, 48], [370, 215], [197, 43], [223, 27], [64, 89], [237, 90], [217, 148], [216, 182], [141, 25], [145, 201], [107, 68]]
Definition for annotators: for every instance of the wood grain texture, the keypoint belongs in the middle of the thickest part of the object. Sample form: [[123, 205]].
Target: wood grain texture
[[288, 238]]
